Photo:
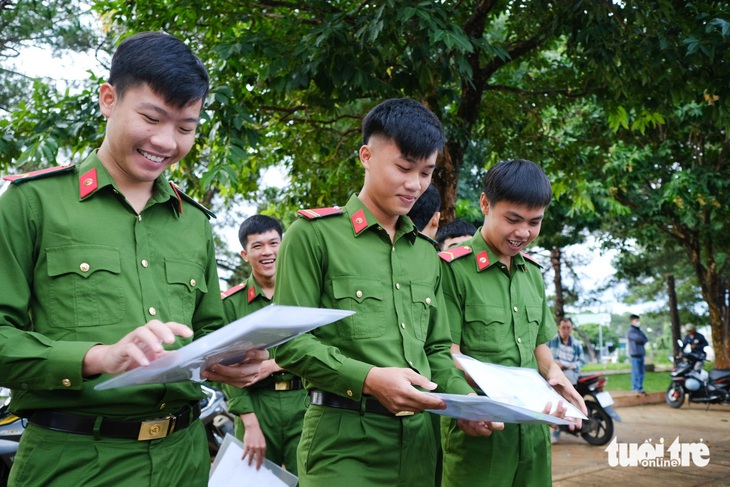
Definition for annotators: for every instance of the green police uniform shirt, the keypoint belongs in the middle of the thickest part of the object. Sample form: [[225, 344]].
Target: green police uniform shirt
[[496, 315], [348, 261], [240, 301], [80, 267]]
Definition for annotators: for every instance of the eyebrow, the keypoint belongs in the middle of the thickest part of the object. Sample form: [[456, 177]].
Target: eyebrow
[[162, 111]]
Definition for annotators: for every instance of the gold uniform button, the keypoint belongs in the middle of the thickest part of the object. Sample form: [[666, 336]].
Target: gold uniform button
[[193, 282], [84, 267], [152, 311], [428, 300], [145, 263], [519, 340], [358, 294], [403, 325], [66, 383], [349, 392], [163, 406], [515, 308], [397, 285]]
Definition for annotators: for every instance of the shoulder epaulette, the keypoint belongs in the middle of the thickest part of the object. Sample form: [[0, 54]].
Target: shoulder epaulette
[[233, 290], [41, 173], [531, 259], [315, 213], [455, 253], [182, 196]]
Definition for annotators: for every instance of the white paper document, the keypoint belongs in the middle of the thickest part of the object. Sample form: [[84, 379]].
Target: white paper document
[[480, 408], [267, 327], [229, 470], [514, 395]]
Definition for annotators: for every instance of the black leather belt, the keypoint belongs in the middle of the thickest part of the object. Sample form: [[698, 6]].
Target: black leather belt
[[367, 405], [151, 429]]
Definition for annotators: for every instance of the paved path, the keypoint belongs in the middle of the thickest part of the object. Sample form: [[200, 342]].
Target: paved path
[[649, 419]]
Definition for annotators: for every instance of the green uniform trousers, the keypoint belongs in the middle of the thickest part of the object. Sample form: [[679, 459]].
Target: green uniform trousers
[[519, 455], [342, 447], [56, 459], [280, 415]]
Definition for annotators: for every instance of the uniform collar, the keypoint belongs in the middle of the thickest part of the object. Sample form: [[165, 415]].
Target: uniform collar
[[361, 219], [485, 256], [253, 290], [93, 177]]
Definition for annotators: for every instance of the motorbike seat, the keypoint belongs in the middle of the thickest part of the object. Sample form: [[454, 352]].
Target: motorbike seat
[[588, 378], [717, 374]]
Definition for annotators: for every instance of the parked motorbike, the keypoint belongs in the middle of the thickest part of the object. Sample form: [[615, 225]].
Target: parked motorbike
[[215, 416], [598, 428], [11, 428], [691, 381]]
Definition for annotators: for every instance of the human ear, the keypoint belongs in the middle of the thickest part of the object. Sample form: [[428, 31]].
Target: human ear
[[365, 153], [107, 98], [484, 204]]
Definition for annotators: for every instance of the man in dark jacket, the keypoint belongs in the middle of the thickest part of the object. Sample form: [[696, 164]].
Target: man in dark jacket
[[637, 339]]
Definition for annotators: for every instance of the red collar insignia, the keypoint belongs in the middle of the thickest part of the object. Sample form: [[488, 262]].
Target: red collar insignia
[[251, 293], [88, 183], [482, 260], [359, 222]]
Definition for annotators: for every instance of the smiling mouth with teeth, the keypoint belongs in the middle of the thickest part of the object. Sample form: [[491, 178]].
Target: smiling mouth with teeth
[[152, 158]]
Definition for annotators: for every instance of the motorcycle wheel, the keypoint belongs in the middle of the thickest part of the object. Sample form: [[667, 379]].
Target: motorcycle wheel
[[675, 395], [600, 425]]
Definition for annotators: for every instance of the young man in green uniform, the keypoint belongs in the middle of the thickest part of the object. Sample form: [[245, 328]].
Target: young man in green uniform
[[364, 425], [270, 411], [105, 267], [498, 313]]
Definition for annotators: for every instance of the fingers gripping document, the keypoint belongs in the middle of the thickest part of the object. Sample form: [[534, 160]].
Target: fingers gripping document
[[266, 328], [514, 395]]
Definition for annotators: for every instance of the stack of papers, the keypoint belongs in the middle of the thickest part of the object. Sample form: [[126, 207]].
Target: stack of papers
[[514, 395], [267, 327], [229, 470]]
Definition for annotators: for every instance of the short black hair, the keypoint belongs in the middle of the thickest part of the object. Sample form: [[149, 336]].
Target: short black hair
[[455, 228], [416, 131], [634, 317], [568, 319], [163, 62], [256, 224], [425, 206], [518, 181]]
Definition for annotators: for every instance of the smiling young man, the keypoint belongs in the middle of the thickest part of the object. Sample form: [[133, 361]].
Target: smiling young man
[[367, 372], [269, 413], [105, 267], [498, 313]]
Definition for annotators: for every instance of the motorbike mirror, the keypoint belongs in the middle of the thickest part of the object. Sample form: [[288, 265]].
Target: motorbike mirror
[[679, 342]]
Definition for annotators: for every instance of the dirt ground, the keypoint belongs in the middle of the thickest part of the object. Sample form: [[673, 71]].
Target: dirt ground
[[576, 463]]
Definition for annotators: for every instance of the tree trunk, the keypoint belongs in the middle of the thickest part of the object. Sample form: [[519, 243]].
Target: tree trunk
[[673, 312], [715, 292], [588, 346], [556, 263], [446, 180]]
